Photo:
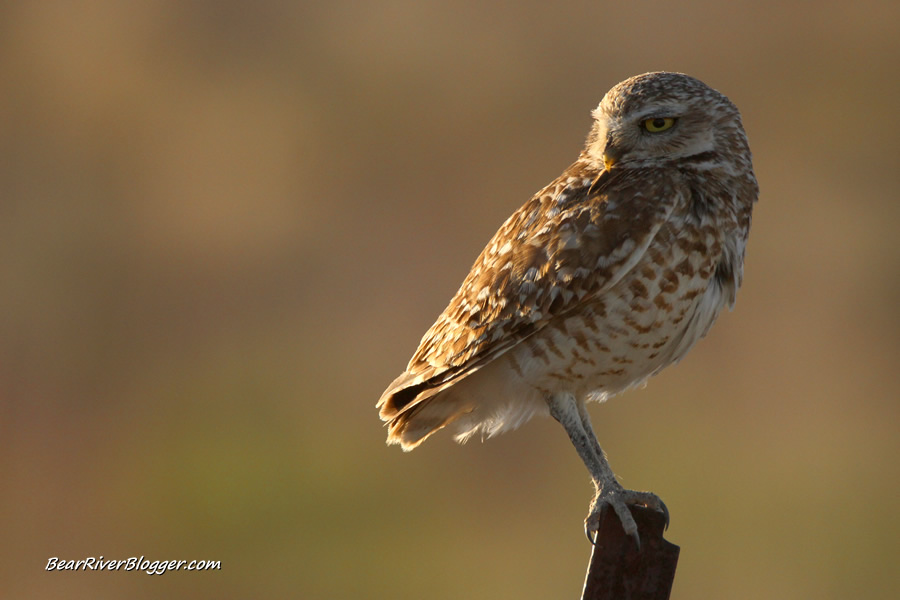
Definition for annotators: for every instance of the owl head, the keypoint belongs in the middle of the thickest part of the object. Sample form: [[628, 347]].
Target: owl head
[[667, 119]]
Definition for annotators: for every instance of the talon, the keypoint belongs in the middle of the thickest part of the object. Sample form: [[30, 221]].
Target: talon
[[620, 499], [592, 525], [653, 501]]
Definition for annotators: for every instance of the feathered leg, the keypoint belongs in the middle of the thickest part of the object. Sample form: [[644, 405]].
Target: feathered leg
[[573, 416]]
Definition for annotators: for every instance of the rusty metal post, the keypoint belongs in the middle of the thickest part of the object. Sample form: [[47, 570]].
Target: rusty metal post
[[620, 571]]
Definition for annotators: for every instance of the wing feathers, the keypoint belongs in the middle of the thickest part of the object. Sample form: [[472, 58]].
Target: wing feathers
[[571, 242]]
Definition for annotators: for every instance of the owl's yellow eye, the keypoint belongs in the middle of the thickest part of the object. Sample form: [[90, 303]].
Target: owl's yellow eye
[[658, 124]]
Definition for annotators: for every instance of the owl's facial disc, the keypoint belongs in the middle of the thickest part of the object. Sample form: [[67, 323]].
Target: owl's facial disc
[[645, 136]]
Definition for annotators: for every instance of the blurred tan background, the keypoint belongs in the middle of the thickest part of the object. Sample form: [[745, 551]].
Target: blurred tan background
[[224, 227]]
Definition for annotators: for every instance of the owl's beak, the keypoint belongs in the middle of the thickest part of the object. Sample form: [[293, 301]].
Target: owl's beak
[[611, 155]]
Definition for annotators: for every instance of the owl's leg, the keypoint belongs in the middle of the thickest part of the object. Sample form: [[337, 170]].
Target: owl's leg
[[631, 497], [573, 416], [588, 428]]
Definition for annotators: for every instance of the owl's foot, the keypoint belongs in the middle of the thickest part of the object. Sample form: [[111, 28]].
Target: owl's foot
[[618, 498]]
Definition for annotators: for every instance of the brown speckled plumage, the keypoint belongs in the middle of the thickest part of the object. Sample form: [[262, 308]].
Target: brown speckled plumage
[[607, 275]]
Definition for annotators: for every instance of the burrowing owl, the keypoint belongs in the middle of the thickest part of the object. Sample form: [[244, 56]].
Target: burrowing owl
[[606, 276]]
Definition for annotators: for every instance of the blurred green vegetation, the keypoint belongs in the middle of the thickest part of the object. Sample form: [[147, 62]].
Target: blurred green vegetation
[[225, 225]]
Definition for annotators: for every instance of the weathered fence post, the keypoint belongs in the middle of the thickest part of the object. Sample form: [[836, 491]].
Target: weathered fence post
[[620, 571]]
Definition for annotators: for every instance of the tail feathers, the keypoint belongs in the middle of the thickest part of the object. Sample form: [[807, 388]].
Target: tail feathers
[[415, 409], [403, 393], [410, 429]]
